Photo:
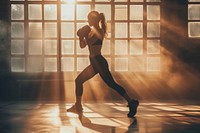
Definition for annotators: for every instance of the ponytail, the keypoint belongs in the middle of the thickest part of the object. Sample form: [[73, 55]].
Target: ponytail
[[103, 23]]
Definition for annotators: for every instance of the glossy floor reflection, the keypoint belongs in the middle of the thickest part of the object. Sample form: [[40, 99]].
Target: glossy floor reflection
[[109, 117]]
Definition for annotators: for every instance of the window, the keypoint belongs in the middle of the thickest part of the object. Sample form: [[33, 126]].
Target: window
[[43, 34], [194, 18]]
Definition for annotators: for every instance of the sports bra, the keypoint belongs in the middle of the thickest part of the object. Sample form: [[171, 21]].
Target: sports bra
[[89, 34], [98, 42]]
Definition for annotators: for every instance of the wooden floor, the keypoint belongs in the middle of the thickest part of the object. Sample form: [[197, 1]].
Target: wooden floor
[[108, 117]]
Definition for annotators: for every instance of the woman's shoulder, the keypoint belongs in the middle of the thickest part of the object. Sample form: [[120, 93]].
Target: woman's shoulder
[[98, 33]]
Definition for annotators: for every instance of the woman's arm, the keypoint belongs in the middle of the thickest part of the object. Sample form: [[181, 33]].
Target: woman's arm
[[82, 42], [94, 35], [84, 31]]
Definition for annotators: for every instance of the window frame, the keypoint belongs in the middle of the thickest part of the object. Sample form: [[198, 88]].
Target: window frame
[[192, 21], [112, 57]]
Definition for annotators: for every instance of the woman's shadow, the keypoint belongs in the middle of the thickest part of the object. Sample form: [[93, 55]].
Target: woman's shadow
[[101, 128]]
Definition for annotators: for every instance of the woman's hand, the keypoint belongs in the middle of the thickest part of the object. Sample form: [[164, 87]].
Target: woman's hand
[[84, 31], [82, 42]]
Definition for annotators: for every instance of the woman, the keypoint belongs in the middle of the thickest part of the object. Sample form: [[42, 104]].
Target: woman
[[93, 35]]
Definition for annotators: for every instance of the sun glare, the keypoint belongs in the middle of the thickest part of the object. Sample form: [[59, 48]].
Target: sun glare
[[68, 1]]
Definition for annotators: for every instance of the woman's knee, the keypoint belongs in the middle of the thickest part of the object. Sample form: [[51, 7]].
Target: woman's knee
[[78, 81], [111, 84]]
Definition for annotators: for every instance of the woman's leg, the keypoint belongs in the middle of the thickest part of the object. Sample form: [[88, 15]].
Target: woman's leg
[[108, 79], [101, 66], [85, 75]]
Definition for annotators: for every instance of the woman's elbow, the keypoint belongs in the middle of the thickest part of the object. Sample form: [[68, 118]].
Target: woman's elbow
[[78, 33]]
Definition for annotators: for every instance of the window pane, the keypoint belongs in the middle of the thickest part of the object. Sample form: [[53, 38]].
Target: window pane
[[153, 46], [67, 64], [120, 12], [121, 30], [82, 63], [104, 8], [153, 12], [17, 47], [50, 29], [121, 64], [136, 47], [137, 64], [50, 47], [80, 25], [136, 30], [50, 12], [35, 11], [17, 64], [153, 29], [153, 63], [67, 12], [50, 65], [17, 29], [121, 47], [35, 29], [194, 12], [194, 29], [35, 47], [106, 47], [81, 51], [33, 66], [194, 0], [67, 30], [82, 12], [67, 47], [136, 12], [17, 12]]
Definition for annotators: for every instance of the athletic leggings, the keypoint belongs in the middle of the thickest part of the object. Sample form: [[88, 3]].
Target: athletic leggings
[[98, 64]]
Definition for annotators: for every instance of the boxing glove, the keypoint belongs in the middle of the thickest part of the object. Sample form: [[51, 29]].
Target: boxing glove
[[84, 31]]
